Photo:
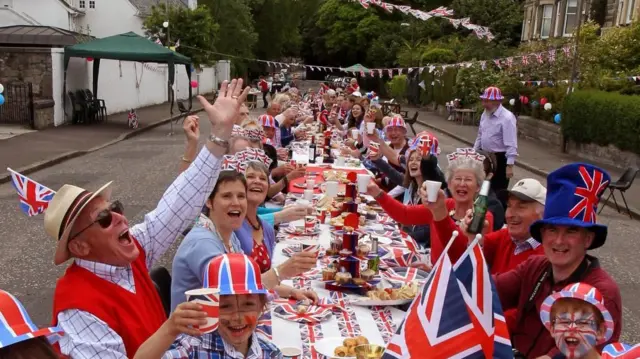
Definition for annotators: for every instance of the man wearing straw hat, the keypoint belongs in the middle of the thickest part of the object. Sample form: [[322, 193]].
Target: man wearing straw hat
[[105, 302], [498, 134]]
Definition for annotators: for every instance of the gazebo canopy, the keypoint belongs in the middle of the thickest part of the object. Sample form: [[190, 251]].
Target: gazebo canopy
[[126, 47], [356, 68]]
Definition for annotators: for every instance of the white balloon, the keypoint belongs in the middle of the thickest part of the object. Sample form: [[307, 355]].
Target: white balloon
[[547, 106], [1, 88], [165, 24], [512, 102]]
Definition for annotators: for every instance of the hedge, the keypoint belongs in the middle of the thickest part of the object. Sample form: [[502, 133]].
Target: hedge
[[602, 118]]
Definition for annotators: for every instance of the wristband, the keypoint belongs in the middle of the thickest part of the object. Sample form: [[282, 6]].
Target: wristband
[[185, 159], [378, 195], [277, 272]]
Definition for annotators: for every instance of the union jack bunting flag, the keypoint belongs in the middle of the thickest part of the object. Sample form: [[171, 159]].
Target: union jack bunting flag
[[483, 304], [34, 197], [437, 324], [621, 351]]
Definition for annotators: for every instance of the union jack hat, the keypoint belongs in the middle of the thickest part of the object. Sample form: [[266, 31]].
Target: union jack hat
[[267, 121], [492, 93], [396, 121], [232, 274], [573, 194], [425, 138], [584, 292], [16, 325]]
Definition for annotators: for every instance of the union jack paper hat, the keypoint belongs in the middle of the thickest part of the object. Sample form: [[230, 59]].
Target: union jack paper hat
[[16, 325], [425, 138], [573, 193], [465, 152], [256, 134], [492, 93], [237, 131], [396, 121], [267, 121], [621, 351], [232, 274], [238, 162], [584, 292]]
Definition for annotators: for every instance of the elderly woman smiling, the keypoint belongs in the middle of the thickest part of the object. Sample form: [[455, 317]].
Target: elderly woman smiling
[[464, 175]]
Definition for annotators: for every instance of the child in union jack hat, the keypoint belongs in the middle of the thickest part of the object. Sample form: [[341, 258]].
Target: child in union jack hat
[[232, 314], [577, 320], [19, 337]]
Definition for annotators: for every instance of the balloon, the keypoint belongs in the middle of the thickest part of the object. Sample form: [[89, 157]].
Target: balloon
[[547, 106], [194, 83], [534, 104], [556, 118], [1, 100], [165, 24], [543, 101], [524, 100], [89, 59], [1, 88], [512, 101]]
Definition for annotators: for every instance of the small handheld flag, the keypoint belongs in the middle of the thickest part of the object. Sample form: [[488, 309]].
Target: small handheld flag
[[34, 197]]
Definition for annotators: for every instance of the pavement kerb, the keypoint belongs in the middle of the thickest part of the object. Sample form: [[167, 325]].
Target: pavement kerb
[[635, 213], [74, 154]]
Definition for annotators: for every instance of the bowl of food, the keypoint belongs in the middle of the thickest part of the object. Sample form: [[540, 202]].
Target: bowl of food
[[369, 351]]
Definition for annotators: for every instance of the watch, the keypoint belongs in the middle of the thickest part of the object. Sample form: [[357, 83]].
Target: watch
[[219, 141]]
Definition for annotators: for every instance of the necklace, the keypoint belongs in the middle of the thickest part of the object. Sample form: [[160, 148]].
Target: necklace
[[255, 227]]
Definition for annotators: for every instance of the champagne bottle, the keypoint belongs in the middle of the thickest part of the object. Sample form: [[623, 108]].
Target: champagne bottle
[[480, 209], [312, 150]]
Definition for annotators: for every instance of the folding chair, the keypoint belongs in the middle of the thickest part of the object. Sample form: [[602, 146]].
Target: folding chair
[[623, 184], [162, 280], [411, 121]]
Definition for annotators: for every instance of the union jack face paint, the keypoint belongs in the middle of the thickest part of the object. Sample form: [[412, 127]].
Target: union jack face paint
[[575, 332]]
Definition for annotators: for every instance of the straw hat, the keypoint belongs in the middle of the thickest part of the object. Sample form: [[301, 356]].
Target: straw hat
[[63, 210]]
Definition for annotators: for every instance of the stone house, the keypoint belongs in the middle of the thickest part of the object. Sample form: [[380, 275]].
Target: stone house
[[29, 54]]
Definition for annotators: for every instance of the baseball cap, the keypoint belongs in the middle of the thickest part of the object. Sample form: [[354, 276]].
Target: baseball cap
[[529, 190]]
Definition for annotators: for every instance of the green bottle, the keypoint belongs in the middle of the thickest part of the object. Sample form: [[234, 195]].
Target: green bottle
[[480, 209]]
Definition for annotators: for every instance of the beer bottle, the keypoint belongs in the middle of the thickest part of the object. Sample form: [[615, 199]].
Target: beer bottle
[[312, 150], [480, 209]]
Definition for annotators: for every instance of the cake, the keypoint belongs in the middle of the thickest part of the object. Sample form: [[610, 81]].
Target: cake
[[343, 277], [368, 274], [329, 273], [345, 253], [363, 250], [359, 281]]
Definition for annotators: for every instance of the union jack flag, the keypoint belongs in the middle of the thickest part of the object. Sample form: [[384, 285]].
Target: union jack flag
[[441, 11], [552, 55], [15, 324], [438, 321], [525, 60], [483, 304], [404, 276], [384, 321], [621, 351], [34, 197], [309, 335], [398, 257], [539, 57], [589, 195], [265, 328]]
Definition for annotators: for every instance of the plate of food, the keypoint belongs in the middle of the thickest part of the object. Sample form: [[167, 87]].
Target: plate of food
[[388, 296], [339, 176], [300, 230], [302, 313], [303, 185], [338, 347]]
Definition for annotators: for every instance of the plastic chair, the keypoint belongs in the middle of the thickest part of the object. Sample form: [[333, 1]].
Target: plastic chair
[[623, 184], [161, 278], [411, 121]]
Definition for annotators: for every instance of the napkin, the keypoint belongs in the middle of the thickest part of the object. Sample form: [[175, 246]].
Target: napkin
[[313, 313]]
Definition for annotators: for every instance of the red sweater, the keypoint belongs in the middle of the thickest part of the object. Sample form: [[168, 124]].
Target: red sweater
[[515, 287], [134, 316], [419, 214]]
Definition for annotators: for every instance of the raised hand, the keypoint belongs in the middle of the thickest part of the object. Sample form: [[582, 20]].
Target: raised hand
[[226, 108], [191, 128]]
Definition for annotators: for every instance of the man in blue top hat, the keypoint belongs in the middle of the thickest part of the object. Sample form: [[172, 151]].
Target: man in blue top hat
[[567, 230]]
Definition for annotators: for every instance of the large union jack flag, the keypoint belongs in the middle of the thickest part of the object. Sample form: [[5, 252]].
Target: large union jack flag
[[588, 196], [621, 351], [34, 197]]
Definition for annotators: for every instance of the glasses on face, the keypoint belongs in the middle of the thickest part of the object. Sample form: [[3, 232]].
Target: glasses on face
[[578, 323], [104, 217]]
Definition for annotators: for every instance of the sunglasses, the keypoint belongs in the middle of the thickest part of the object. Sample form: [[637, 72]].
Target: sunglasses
[[104, 217]]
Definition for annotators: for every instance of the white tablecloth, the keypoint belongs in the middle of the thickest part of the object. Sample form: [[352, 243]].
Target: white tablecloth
[[368, 320]]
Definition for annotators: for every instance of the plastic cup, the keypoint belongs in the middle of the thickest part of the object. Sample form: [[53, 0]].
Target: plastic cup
[[311, 183], [340, 161], [331, 188], [371, 126], [355, 133], [432, 190], [308, 195], [363, 181]]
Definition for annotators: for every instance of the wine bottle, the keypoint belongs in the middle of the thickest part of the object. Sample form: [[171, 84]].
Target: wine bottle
[[480, 209], [312, 150]]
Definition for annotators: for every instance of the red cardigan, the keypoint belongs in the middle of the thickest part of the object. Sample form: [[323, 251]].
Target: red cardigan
[[419, 214], [134, 316]]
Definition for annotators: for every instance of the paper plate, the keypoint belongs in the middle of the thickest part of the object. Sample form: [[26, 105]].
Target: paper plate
[[315, 314], [404, 275], [304, 185], [326, 346], [366, 302]]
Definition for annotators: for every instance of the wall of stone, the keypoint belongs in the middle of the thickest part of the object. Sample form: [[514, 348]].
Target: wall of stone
[[546, 132], [27, 65]]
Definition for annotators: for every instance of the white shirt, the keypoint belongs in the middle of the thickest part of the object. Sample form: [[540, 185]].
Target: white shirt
[[86, 336]]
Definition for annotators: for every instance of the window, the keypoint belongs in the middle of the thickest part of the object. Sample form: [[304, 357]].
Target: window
[[545, 24], [556, 29], [570, 17], [92, 4], [83, 4], [630, 10]]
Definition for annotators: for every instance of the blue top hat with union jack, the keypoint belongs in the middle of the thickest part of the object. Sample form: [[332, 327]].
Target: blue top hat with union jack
[[232, 274], [16, 326], [492, 93], [573, 193]]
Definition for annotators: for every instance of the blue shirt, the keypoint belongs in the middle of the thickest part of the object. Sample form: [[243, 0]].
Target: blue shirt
[[245, 236], [196, 250], [212, 346], [286, 136]]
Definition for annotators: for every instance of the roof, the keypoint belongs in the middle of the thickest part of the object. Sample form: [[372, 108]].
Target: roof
[[144, 6], [126, 47], [356, 68], [38, 35]]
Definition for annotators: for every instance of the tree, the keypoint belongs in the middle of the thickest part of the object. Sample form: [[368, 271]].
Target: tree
[[195, 29], [502, 17], [277, 24]]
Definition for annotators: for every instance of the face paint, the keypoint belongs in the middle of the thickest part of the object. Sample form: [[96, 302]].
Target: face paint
[[575, 333], [250, 319]]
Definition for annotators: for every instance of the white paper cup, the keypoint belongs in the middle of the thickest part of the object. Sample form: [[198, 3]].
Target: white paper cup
[[311, 183], [209, 299], [308, 195], [432, 190], [355, 133], [303, 203], [371, 126], [340, 161], [363, 181], [319, 160], [331, 188]]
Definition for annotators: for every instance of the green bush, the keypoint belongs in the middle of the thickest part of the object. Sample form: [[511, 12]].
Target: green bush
[[602, 118], [397, 87], [439, 56], [471, 82]]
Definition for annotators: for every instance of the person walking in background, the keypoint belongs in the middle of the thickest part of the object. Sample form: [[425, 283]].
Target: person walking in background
[[498, 134], [264, 88]]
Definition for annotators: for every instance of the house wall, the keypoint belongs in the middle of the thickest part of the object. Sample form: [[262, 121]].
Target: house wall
[[45, 12], [111, 17], [27, 65]]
